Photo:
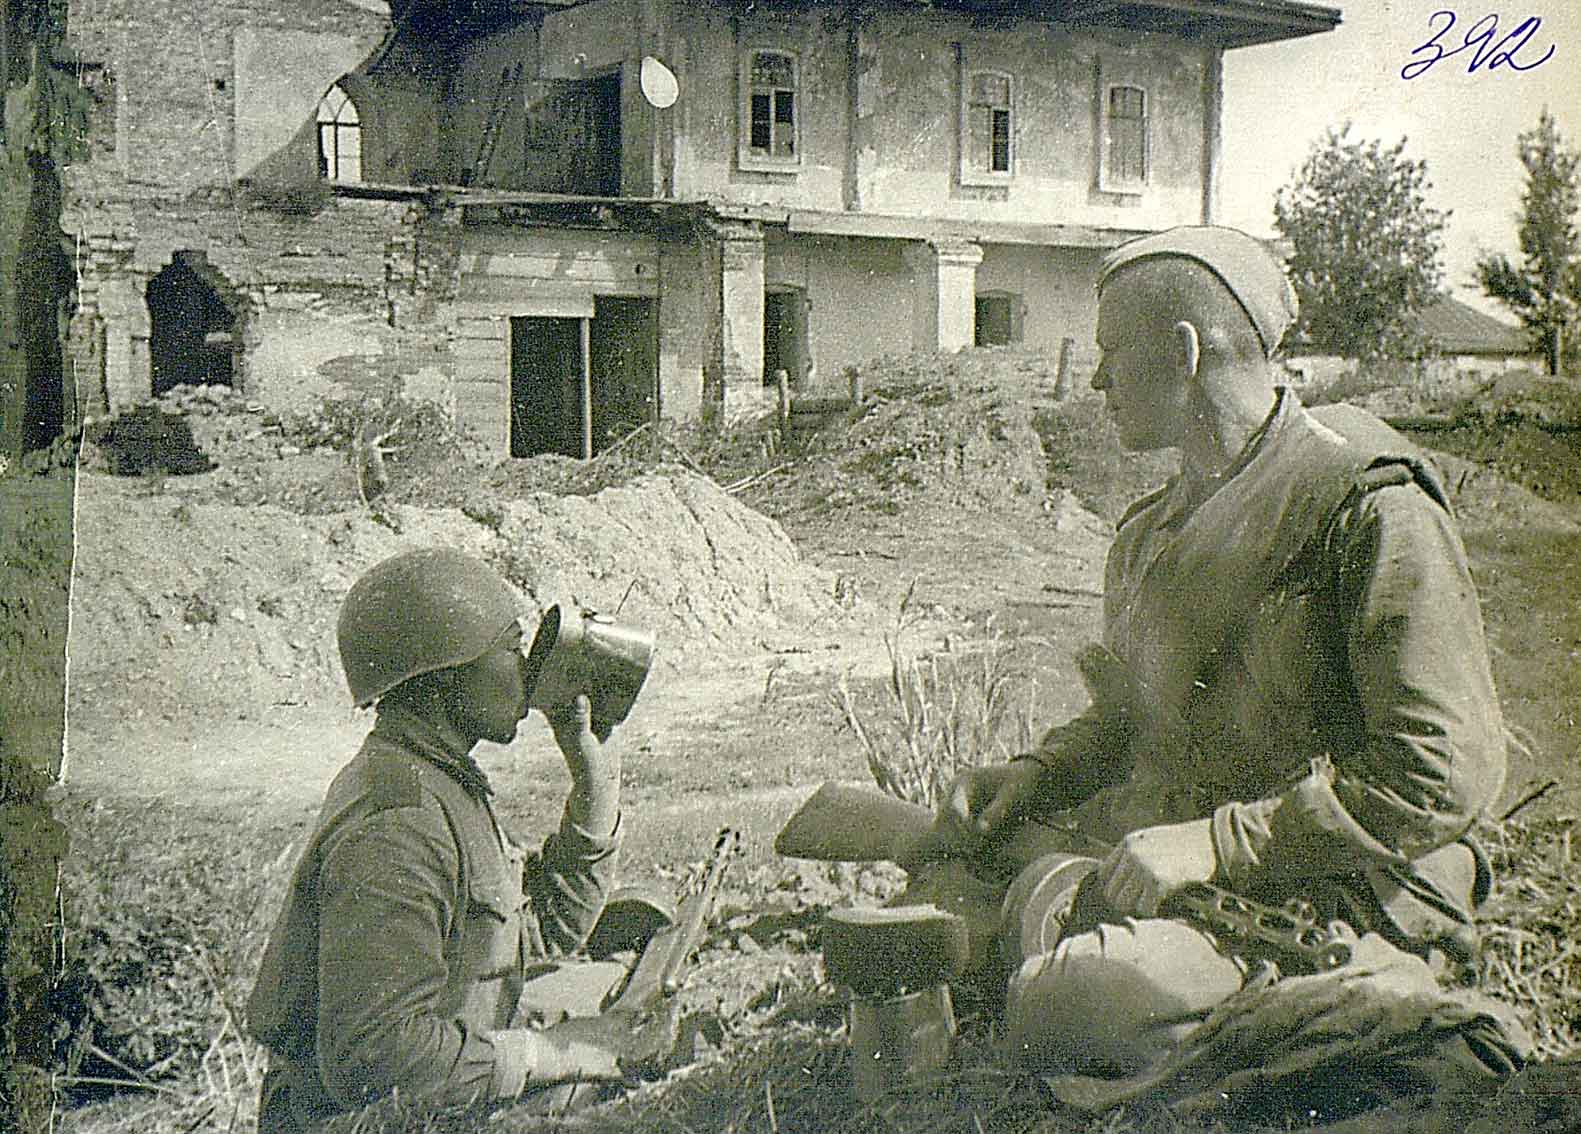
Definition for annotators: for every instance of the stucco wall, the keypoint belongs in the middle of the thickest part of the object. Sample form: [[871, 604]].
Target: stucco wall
[[1059, 76], [709, 44], [1056, 290], [860, 297], [206, 92], [888, 142]]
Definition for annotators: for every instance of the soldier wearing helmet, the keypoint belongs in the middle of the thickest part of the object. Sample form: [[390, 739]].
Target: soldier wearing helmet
[[398, 960]]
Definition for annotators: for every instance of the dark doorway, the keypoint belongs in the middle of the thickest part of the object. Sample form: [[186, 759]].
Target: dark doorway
[[784, 334], [572, 139], [546, 386], [193, 330], [996, 319], [624, 345]]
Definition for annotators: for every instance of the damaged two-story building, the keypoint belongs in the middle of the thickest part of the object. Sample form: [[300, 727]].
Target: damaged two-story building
[[566, 217]]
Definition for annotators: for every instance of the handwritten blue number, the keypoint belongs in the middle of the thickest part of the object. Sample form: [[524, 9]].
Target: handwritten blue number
[[1478, 39], [1412, 70]]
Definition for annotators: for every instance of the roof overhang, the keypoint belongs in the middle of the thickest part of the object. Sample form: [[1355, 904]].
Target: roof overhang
[[1228, 23]]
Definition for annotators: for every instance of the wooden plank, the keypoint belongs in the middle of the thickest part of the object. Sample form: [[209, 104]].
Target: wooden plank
[[485, 397], [531, 303], [491, 352], [819, 223], [587, 389], [481, 371]]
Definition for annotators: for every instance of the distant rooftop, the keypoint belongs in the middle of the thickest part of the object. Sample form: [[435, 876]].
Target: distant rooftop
[[1455, 328]]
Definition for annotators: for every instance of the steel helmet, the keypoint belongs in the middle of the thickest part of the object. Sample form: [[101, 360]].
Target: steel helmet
[[417, 612]]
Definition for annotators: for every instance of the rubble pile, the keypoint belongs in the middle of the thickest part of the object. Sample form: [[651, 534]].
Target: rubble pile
[[227, 425], [188, 611], [930, 430]]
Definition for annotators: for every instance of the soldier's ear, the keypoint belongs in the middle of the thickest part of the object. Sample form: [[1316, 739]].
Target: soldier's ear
[[1188, 348]]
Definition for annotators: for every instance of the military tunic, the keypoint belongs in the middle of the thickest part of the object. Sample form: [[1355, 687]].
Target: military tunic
[[1308, 654], [402, 949], [1310, 640]]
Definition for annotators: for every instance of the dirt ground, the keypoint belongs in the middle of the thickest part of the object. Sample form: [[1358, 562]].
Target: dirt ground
[[204, 690]]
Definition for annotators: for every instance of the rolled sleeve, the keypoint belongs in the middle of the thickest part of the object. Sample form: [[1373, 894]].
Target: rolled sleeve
[[1080, 758], [566, 885], [1425, 754], [388, 894]]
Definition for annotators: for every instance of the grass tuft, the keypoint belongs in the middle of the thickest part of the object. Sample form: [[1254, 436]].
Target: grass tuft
[[945, 712]]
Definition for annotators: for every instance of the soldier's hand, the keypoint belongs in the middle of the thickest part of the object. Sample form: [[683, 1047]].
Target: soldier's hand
[[594, 764], [982, 801], [1151, 864], [617, 1045]]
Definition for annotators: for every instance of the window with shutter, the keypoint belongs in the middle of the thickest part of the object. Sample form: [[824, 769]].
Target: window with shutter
[[1126, 162], [769, 124], [987, 128]]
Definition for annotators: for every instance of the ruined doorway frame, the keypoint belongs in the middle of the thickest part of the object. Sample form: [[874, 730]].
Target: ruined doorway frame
[[196, 264], [605, 349], [548, 389], [1007, 306], [623, 366]]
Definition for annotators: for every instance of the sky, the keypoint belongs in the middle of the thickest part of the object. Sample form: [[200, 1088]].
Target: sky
[[1280, 98]]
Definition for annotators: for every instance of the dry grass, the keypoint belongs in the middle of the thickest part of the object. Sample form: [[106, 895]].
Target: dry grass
[[945, 712], [1532, 928]]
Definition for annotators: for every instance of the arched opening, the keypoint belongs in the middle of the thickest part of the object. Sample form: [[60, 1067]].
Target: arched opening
[[193, 331], [339, 137]]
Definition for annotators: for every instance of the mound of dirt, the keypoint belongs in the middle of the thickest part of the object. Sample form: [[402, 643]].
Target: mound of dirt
[[929, 432], [191, 611]]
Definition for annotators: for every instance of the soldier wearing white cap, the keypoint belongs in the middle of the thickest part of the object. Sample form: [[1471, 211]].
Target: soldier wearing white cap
[[1313, 716]]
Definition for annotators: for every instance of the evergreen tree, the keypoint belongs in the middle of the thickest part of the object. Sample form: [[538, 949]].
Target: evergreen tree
[[1545, 290]]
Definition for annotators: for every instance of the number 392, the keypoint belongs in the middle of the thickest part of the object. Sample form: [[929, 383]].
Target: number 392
[[1488, 49]]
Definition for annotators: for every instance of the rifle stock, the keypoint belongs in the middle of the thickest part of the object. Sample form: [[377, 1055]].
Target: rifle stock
[[841, 823], [661, 969]]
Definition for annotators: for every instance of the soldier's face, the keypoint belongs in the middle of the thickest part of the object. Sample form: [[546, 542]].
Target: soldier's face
[[1139, 373], [491, 692]]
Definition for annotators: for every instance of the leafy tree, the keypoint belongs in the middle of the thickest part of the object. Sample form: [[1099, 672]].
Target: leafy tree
[[1365, 247], [1545, 291]]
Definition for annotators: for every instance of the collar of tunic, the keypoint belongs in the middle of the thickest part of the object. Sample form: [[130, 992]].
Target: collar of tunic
[[400, 725]]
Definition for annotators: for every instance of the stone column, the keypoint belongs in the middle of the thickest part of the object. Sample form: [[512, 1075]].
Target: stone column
[[738, 345], [944, 275]]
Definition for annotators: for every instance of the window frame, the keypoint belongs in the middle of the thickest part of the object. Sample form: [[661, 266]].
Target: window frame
[[1107, 181], [329, 158], [969, 174], [747, 157]]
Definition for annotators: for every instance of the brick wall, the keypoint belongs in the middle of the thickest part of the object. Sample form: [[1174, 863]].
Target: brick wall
[[182, 91]]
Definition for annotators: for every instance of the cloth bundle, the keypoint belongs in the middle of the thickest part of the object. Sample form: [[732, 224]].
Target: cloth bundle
[[1375, 1031]]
